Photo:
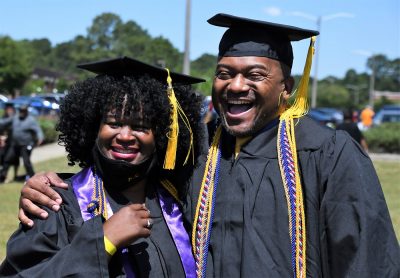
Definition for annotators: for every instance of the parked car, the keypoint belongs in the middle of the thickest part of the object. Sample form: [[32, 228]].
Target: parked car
[[336, 115], [388, 114], [326, 116], [319, 116], [54, 100], [37, 105], [3, 99]]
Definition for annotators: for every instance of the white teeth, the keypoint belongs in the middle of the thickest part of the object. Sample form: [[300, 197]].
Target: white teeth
[[238, 102], [124, 151]]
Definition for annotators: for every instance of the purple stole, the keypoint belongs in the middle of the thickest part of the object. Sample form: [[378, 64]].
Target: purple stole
[[83, 183]]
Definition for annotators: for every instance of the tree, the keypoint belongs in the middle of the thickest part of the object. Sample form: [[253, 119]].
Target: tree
[[130, 40], [204, 63], [14, 66], [333, 95], [101, 33], [386, 73], [160, 51]]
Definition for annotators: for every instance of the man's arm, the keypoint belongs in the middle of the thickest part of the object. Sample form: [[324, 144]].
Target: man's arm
[[37, 190]]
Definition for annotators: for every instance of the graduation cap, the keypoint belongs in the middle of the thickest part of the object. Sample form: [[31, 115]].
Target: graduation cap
[[249, 37], [129, 66], [132, 67]]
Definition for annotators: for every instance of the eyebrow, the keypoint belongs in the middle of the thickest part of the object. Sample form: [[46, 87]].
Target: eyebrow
[[250, 67]]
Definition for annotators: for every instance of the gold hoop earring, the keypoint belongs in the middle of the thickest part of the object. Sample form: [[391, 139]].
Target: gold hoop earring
[[279, 99]]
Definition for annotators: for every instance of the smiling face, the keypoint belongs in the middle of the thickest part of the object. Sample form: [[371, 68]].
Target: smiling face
[[249, 92], [125, 138]]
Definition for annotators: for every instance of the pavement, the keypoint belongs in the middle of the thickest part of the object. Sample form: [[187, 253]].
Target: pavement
[[53, 150], [46, 152]]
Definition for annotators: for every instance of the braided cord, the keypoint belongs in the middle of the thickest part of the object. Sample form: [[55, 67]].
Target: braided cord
[[98, 203], [205, 207], [291, 180]]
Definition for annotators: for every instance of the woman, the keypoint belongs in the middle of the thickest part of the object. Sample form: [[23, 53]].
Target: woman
[[121, 214]]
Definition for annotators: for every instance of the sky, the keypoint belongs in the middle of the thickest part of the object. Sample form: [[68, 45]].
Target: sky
[[351, 30]]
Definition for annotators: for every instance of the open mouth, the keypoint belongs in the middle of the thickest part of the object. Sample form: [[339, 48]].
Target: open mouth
[[236, 107]]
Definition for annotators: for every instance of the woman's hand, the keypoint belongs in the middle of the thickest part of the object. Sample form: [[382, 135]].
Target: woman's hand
[[37, 190], [128, 224]]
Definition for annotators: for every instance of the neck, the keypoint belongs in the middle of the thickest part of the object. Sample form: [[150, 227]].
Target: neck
[[136, 193]]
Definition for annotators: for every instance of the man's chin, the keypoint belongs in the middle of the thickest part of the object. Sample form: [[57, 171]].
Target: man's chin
[[238, 130]]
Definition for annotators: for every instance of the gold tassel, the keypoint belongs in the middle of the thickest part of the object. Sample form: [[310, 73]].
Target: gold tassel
[[176, 110], [300, 105]]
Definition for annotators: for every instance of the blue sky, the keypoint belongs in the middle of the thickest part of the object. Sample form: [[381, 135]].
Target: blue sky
[[351, 30]]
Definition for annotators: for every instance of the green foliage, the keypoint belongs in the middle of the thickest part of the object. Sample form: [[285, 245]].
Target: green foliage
[[332, 95], [49, 129], [384, 138], [386, 72], [14, 66], [101, 33], [32, 85]]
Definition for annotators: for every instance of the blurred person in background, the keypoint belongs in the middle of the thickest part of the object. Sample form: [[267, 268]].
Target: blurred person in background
[[25, 134], [366, 117], [5, 141], [352, 128]]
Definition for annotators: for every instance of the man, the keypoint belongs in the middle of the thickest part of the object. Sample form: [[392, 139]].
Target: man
[[5, 140], [352, 129], [25, 135], [278, 195], [366, 117]]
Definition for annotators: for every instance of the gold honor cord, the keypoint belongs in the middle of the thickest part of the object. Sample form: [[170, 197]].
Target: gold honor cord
[[286, 145]]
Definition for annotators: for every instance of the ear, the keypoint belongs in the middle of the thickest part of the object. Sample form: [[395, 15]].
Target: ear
[[288, 87]]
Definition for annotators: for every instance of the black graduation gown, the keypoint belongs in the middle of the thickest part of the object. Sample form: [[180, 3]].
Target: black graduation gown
[[349, 231], [65, 246]]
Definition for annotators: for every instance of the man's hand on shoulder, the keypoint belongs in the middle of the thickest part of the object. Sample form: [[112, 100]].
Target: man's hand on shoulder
[[37, 190]]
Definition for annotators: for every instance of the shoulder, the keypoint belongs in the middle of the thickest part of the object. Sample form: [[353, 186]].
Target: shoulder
[[70, 203], [312, 136]]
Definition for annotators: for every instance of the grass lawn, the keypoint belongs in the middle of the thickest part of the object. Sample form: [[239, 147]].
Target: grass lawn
[[388, 172]]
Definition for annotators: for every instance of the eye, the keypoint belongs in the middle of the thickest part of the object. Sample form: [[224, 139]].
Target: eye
[[255, 76], [141, 128], [113, 123], [223, 75]]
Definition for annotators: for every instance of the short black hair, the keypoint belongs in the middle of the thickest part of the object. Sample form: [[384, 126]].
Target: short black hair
[[88, 101]]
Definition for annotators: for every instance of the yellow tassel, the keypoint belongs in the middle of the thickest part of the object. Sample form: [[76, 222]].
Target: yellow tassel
[[300, 105], [176, 110], [298, 109]]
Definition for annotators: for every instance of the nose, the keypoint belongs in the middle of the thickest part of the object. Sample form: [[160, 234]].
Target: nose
[[238, 84], [126, 134]]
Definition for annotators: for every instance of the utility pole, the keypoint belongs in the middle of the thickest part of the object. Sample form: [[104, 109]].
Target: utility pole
[[372, 83], [318, 20], [186, 57], [315, 78]]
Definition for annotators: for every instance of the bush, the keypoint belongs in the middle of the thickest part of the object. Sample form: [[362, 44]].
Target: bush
[[49, 130], [384, 138]]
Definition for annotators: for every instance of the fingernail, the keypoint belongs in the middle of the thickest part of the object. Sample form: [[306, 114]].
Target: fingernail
[[59, 201], [30, 223], [55, 207], [44, 214]]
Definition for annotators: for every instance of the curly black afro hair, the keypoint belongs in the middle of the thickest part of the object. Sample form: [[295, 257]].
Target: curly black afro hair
[[89, 101]]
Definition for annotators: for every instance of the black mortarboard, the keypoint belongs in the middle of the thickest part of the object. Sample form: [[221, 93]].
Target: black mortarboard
[[129, 66], [249, 37]]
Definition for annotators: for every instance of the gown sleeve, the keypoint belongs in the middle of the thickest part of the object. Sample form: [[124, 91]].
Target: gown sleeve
[[356, 225], [60, 246]]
